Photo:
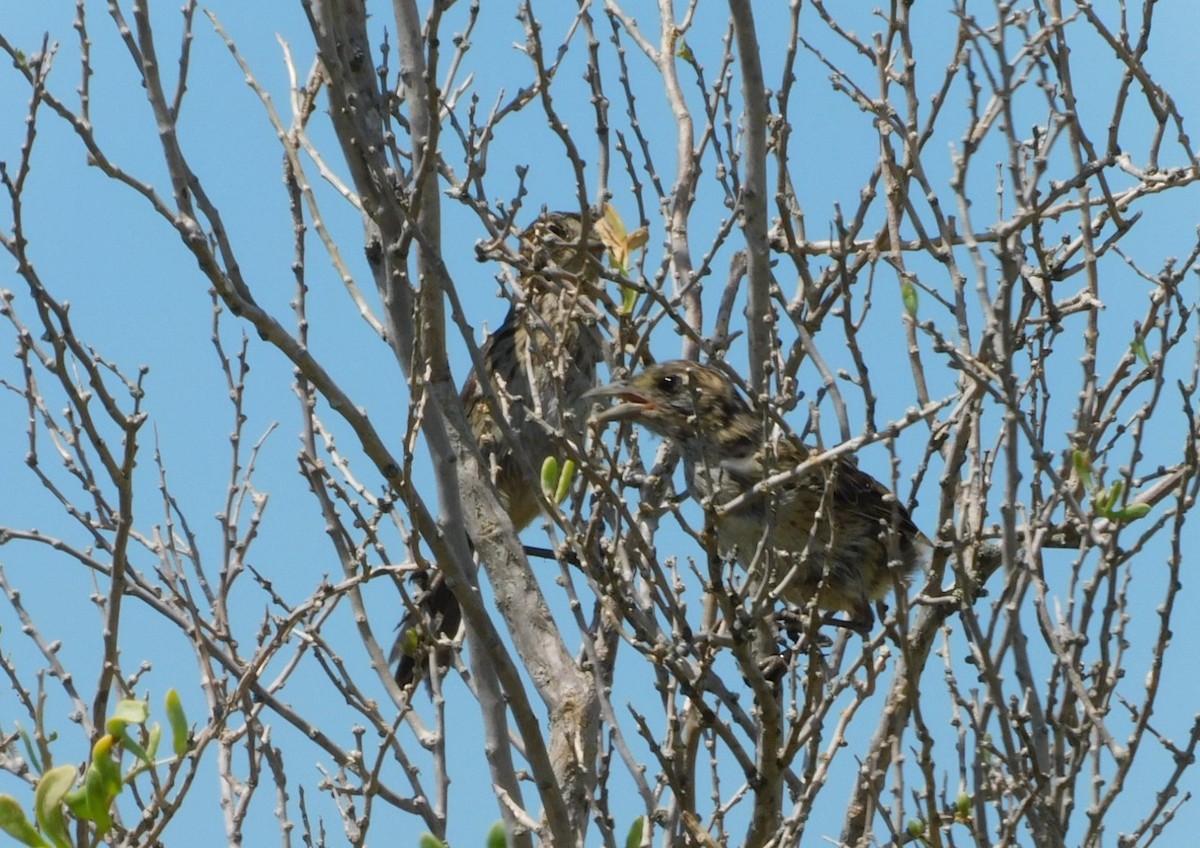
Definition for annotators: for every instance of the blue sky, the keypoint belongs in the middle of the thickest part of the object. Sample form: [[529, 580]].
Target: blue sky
[[137, 296]]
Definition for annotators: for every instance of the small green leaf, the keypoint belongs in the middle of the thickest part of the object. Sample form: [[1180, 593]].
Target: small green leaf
[[621, 244], [629, 297], [633, 839], [155, 736], [549, 477], [134, 747], [15, 824], [428, 840], [497, 837], [79, 805], [1139, 350], [48, 801], [916, 828], [564, 481], [908, 294], [177, 718], [962, 805], [683, 51], [1106, 499], [1083, 467], [96, 790], [31, 753], [1132, 512], [104, 765], [131, 712]]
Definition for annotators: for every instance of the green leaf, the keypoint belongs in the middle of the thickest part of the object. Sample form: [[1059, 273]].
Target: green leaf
[[428, 840], [1132, 512], [178, 718], [1139, 350], [497, 837], [549, 477], [96, 790], [916, 828], [910, 298], [78, 803], [1083, 467], [31, 753], [134, 747], [629, 297], [101, 784], [618, 241], [155, 736], [48, 801], [104, 765], [564, 481], [621, 245], [1106, 499], [131, 712], [15, 824], [962, 805], [683, 51], [633, 839]]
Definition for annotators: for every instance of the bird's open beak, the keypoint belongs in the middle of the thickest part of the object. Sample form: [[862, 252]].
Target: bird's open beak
[[633, 403]]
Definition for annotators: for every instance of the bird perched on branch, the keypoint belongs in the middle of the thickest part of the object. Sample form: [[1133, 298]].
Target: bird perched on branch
[[537, 366], [832, 534]]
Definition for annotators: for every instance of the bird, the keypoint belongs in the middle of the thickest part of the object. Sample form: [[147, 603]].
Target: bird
[[538, 365], [833, 536]]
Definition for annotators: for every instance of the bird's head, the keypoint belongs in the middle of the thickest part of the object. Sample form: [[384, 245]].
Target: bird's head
[[555, 248], [696, 405]]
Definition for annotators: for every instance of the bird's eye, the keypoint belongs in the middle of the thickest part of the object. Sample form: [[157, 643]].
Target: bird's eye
[[669, 383]]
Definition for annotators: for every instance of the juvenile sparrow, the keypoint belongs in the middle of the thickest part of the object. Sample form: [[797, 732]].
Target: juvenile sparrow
[[539, 364], [833, 534]]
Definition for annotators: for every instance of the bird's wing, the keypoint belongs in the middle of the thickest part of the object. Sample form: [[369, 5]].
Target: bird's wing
[[853, 488]]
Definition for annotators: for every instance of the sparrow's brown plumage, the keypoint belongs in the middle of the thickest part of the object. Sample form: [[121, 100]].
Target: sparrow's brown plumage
[[539, 364], [834, 533]]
